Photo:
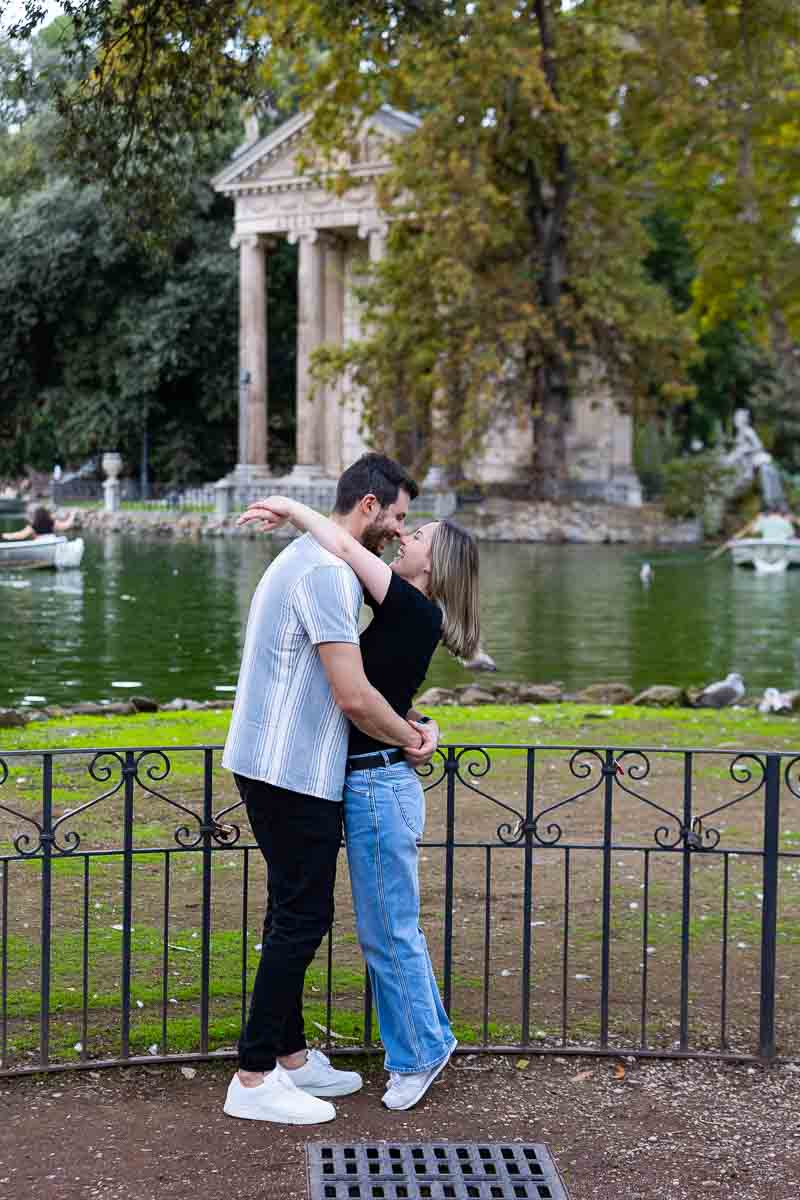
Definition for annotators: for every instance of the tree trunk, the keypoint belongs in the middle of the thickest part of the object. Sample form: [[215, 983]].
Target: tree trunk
[[547, 210], [551, 413]]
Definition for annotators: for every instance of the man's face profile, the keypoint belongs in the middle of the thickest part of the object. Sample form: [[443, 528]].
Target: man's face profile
[[388, 524]]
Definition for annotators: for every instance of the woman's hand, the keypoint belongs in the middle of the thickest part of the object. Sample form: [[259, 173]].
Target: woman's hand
[[270, 513]]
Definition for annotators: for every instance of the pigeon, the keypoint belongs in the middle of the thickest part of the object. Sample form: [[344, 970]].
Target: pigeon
[[719, 695], [646, 574], [774, 701], [480, 661]]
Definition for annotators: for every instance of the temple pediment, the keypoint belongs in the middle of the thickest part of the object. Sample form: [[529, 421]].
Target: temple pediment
[[272, 163]]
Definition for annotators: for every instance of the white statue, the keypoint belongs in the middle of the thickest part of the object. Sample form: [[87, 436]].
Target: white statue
[[748, 449]]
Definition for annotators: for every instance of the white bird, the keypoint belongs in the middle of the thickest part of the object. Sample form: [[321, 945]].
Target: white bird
[[722, 693], [646, 574], [774, 700], [480, 661]]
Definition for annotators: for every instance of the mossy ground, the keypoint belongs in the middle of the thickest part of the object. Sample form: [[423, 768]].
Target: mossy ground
[[721, 911]]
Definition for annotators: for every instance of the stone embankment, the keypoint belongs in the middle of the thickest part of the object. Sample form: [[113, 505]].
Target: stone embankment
[[494, 520], [467, 694], [14, 717], [505, 692], [500, 520]]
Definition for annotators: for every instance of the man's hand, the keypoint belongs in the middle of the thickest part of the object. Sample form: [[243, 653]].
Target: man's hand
[[419, 755], [270, 513]]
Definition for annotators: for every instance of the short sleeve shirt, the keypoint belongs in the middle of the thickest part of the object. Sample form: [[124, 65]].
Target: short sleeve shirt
[[774, 528], [286, 728], [397, 648]]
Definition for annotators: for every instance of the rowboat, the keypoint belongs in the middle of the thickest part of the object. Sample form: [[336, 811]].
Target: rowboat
[[49, 550], [766, 557]]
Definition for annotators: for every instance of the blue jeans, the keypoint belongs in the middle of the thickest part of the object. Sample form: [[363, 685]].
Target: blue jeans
[[384, 817]]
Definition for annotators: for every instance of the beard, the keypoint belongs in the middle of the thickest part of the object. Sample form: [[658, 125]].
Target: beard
[[374, 535]]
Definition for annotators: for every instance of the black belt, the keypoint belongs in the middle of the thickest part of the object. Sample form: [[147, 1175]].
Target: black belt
[[381, 758]]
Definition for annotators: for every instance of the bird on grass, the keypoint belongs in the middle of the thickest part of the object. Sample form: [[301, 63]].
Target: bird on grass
[[646, 574], [723, 693], [774, 701]]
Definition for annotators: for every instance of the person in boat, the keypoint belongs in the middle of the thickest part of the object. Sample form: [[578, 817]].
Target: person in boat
[[42, 523], [772, 525]]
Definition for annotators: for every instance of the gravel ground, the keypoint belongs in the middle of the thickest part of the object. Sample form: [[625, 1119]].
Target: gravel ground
[[619, 1130]]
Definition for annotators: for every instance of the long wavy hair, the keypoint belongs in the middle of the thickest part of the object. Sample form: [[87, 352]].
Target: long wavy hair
[[454, 587]]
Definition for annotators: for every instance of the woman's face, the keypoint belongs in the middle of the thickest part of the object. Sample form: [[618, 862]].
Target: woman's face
[[414, 556]]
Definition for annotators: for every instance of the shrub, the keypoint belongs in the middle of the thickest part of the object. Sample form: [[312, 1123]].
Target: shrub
[[691, 483]]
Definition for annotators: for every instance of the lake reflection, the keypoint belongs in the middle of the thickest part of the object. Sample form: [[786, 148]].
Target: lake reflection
[[166, 617]]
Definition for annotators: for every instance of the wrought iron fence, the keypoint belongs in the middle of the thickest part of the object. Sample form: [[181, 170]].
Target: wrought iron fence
[[628, 901]]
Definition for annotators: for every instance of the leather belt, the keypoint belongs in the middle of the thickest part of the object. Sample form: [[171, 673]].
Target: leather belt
[[381, 758]]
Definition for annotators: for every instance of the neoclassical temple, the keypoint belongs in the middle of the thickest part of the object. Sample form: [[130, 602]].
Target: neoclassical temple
[[336, 236]]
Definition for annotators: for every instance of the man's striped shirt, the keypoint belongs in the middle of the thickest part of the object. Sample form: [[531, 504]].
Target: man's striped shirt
[[286, 728]]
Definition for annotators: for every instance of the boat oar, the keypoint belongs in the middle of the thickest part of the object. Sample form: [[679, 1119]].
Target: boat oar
[[727, 545], [720, 549]]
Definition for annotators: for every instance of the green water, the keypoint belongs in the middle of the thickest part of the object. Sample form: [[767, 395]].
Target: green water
[[166, 617]]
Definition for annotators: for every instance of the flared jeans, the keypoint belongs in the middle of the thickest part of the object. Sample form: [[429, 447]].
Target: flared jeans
[[384, 818]]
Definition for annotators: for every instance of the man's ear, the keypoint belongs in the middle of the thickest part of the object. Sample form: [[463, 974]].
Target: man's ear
[[368, 504]]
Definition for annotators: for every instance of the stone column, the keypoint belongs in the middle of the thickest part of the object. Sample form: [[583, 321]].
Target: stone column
[[375, 232], [352, 407], [310, 333], [252, 353], [332, 455]]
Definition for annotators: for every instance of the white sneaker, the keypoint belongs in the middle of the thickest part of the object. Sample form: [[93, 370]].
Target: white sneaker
[[276, 1099], [319, 1078], [404, 1091]]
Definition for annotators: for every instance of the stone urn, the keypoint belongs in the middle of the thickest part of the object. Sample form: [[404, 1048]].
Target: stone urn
[[111, 462]]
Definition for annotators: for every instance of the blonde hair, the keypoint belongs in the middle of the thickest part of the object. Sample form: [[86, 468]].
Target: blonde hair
[[454, 587]]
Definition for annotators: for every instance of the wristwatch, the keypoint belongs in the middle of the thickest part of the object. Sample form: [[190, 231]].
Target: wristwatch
[[423, 720]]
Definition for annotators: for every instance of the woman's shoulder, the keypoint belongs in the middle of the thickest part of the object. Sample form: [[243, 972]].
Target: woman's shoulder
[[411, 599]]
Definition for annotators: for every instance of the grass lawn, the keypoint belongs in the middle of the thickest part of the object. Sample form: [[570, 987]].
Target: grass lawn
[[654, 893]]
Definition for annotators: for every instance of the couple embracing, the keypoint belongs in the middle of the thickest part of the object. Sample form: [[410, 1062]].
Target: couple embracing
[[323, 737]]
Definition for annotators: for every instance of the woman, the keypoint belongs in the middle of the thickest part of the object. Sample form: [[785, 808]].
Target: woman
[[41, 524], [428, 594]]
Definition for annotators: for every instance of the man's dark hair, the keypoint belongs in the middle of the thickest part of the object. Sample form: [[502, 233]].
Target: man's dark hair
[[375, 475], [41, 521]]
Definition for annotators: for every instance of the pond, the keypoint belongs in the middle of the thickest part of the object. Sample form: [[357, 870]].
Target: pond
[[165, 618]]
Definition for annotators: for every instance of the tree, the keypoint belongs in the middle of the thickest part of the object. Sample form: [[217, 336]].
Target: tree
[[548, 130], [516, 263], [725, 155], [518, 147]]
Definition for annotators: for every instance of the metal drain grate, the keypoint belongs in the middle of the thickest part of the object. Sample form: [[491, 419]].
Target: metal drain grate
[[432, 1171]]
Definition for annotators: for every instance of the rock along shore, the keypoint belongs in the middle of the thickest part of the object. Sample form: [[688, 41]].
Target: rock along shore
[[494, 520], [466, 695]]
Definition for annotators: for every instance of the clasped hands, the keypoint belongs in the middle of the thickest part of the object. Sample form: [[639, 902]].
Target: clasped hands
[[418, 756]]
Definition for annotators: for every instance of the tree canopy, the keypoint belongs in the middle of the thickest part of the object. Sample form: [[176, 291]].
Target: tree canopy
[[564, 152]]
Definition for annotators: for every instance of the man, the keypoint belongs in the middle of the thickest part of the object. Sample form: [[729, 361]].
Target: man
[[301, 681], [774, 524]]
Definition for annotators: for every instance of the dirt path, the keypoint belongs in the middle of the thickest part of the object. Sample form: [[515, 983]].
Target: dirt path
[[661, 1131]]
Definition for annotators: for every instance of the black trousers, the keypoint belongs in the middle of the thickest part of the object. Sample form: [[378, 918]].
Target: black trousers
[[299, 837]]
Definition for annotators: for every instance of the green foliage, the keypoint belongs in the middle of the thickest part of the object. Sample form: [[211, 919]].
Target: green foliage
[[654, 445], [99, 336], [107, 328], [691, 483], [776, 402]]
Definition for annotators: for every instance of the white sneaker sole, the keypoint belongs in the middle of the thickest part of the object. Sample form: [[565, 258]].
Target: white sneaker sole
[[231, 1111], [416, 1099], [332, 1089]]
